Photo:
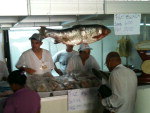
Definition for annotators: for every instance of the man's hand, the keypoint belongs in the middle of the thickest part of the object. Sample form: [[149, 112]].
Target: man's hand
[[29, 70], [59, 72]]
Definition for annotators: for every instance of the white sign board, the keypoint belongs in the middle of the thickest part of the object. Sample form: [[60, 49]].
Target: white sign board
[[127, 24], [82, 99]]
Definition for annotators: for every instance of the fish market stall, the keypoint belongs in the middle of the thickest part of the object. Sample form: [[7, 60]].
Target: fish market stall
[[75, 101], [75, 93], [59, 104], [57, 101], [54, 92], [65, 82]]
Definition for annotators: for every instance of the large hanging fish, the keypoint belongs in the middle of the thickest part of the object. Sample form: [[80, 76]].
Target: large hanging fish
[[77, 34]]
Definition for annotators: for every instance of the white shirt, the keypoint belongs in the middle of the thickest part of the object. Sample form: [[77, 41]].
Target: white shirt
[[75, 65], [30, 60], [63, 57], [3, 70], [123, 83]]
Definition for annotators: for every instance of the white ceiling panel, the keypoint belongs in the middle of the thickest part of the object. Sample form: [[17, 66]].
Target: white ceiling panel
[[13, 7], [40, 9], [34, 13], [114, 7], [64, 9], [91, 8]]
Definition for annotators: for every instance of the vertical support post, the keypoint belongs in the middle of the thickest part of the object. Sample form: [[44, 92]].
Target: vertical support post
[[7, 49], [145, 29]]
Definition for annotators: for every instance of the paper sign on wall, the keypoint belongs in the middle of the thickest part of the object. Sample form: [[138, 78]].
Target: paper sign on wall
[[82, 99], [127, 24]]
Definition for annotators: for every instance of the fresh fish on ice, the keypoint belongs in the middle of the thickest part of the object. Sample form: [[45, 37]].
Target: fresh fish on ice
[[77, 34]]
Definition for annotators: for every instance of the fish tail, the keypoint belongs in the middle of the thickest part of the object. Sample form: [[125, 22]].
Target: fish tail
[[42, 31]]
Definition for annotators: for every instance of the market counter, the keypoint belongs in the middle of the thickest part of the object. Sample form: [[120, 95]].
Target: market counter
[[143, 99], [58, 104]]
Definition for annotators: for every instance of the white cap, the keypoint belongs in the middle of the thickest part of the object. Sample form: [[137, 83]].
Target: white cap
[[36, 36], [84, 47]]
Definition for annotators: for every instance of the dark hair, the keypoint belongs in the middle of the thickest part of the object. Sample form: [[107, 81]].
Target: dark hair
[[17, 77], [113, 55]]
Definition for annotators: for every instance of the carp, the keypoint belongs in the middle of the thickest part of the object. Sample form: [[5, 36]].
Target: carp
[[77, 34]]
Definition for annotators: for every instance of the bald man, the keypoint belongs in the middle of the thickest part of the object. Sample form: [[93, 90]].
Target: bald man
[[123, 83]]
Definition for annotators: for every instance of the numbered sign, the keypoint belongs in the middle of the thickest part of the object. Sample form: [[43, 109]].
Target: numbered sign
[[82, 99], [127, 24]]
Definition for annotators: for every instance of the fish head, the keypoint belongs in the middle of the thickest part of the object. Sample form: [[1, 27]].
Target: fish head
[[102, 31]]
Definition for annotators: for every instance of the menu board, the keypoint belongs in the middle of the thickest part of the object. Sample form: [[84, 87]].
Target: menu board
[[127, 24], [82, 99]]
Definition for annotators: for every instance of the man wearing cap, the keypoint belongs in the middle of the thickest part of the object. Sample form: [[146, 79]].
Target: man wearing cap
[[82, 63], [63, 57], [37, 63], [36, 60]]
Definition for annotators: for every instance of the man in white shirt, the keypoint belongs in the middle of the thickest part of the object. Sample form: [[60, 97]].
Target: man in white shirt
[[37, 63], [3, 71], [36, 60], [63, 57], [82, 63], [123, 83]]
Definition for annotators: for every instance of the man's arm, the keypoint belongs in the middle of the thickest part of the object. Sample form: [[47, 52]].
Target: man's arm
[[58, 70], [114, 101], [28, 70]]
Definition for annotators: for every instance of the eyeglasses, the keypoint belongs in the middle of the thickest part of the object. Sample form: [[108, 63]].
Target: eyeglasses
[[86, 52]]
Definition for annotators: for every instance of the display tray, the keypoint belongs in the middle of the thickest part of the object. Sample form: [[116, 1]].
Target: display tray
[[53, 93], [59, 93]]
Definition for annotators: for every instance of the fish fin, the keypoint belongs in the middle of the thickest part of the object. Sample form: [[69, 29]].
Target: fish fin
[[42, 31]]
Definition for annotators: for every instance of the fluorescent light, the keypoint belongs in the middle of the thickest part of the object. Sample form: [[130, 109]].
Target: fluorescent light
[[146, 24], [25, 28], [35, 28], [55, 27]]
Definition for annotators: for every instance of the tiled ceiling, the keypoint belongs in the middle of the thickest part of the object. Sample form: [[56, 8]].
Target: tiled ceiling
[[35, 13]]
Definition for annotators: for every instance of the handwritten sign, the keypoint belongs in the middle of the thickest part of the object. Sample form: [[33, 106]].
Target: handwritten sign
[[82, 99], [127, 24]]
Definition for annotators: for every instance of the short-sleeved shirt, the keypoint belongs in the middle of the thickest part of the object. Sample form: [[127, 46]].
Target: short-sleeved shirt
[[3, 70], [23, 101], [75, 65], [30, 60], [63, 57]]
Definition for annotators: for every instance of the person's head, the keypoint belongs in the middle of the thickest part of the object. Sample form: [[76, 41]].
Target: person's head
[[84, 51], [69, 48], [36, 41], [112, 60], [17, 80]]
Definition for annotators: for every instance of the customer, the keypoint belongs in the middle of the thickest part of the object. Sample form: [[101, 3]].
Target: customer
[[23, 100], [36, 60], [3, 71], [123, 84], [63, 57], [82, 63]]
